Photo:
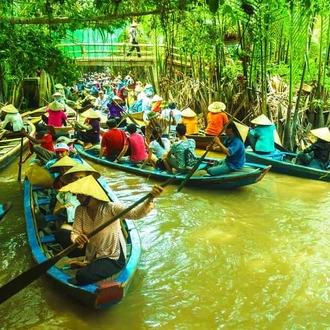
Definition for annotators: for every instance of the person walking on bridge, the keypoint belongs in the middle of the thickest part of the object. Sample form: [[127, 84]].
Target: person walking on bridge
[[133, 39]]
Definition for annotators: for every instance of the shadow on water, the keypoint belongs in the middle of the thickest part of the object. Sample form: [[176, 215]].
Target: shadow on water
[[253, 258]]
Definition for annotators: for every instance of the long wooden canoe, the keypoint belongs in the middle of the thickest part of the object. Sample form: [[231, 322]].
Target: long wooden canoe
[[281, 162], [251, 173], [102, 294], [10, 148]]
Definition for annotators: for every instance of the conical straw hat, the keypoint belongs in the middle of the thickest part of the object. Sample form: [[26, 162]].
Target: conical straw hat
[[65, 161], [56, 106], [216, 107], [243, 130], [188, 113], [90, 113], [87, 186], [67, 177], [9, 109], [261, 120], [322, 133]]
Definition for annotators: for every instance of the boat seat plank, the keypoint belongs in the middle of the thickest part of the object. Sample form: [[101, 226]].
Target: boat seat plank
[[43, 201], [51, 217], [47, 239]]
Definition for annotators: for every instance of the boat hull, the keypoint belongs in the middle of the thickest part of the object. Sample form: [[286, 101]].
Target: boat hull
[[11, 148], [281, 163], [250, 174]]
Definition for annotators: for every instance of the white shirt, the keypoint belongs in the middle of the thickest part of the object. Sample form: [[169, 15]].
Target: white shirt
[[15, 119]]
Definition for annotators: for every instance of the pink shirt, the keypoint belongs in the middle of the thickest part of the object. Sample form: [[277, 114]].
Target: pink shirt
[[138, 147], [55, 117]]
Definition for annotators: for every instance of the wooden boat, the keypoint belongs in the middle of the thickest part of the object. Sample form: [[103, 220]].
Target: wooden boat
[[281, 163], [4, 209], [202, 141], [10, 148], [251, 173], [34, 116], [43, 246]]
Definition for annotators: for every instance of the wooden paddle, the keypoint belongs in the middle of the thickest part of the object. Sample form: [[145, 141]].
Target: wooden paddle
[[23, 280], [192, 171], [20, 160]]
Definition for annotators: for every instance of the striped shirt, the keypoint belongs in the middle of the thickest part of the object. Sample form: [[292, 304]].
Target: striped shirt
[[106, 243]]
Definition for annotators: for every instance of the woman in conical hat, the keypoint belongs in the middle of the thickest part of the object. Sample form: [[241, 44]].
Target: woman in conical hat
[[105, 251], [189, 118], [234, 149], [261, 138], [317, 155], [56, 114], [12, 120], [216, 118], [88, 132]]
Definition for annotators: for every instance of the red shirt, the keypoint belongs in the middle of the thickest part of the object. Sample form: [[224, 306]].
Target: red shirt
[[113, 140]]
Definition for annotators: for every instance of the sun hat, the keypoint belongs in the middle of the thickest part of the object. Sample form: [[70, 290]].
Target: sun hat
[[67, 177], [188, 113], [9, 109], [243, 130], [56, 106], [61, 147], [59, 86], [152, 115], [164, 105], [261, 120], [134, 24], [148, 86], [65, 161], [138, 89], [117, 98], [65, 140], [322, 133], [87, 186], [172, 105], [101, 91], [90, 113], [216, 107], [57, 94]]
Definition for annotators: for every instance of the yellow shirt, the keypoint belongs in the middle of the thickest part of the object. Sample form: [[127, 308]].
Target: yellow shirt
[[191, 125]]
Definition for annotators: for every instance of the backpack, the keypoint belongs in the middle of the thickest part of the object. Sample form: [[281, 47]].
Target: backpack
[[190, 159]]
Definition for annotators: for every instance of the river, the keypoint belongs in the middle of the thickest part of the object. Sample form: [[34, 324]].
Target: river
[[252, 258]]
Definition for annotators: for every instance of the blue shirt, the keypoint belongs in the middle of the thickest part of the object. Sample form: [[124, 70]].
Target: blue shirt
[[264, 138], [236, 149]]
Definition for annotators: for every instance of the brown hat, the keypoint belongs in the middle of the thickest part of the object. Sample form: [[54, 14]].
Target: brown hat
[[87, 186], [9, 109], [216, 107], [56, 106], [67, 177], [65, 161], [90, 113], [322, 133], [188, 113], [261, 120]]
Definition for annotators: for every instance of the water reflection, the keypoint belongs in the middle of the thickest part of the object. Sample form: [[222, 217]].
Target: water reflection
[[253, 258]]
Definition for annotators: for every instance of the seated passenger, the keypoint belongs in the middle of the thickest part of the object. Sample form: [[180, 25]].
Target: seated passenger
[[216, 119], [113, 141], [233, 147], [318, 153], [157, 151], [88, 133], [116, 108], [11, 120], [176, 156], [136, 143], [56, 116], [189, 119], [261, 138]]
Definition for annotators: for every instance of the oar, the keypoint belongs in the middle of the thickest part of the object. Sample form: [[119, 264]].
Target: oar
[[27, 277], [192, 171], [20, 160], [5, 209]]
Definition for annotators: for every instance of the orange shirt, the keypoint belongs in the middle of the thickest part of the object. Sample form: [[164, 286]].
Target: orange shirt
[[191, 124], [215, 123]]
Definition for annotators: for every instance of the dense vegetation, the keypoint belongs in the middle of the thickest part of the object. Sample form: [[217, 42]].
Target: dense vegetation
[[259, 55]]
